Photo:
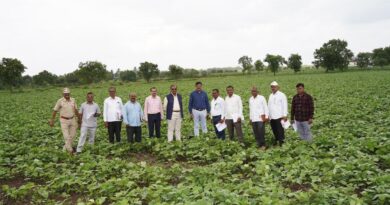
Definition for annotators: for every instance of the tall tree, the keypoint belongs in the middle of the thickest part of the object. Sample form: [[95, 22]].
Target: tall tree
[[380, 57], [11, 70], [246, 63], [295, 62], [363, 60], [91, 71], [45, 78], [148, 70], [259, 66], [274, 62], [333, 54], [175, 71]]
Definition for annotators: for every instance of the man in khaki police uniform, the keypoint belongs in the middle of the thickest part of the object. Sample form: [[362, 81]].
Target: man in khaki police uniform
[[67, 108]]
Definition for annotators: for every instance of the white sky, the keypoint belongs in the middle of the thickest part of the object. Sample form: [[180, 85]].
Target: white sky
[[58, 34]]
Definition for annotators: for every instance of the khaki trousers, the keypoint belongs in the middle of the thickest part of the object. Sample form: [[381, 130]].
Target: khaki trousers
[[174, 125], [69, 128]]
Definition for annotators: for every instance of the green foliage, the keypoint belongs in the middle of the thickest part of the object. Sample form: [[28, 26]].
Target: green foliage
[[295, 62], [333, 55], [44, 78], [246, 63], [348, 161], [148, 70], [128, 76], [363, 60], [175, 71], [91, 72], [381, 56], [190, 73], [274, 62], [259, 66], [11, 70]]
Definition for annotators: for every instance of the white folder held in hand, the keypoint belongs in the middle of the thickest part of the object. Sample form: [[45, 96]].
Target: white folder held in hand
[[286, 124], [220, 126], [294, 126]]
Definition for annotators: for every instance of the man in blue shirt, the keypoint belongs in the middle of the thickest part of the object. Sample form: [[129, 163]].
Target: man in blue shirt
[[132, 117], [199, 108]]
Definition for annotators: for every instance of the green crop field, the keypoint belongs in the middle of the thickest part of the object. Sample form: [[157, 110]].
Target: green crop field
[[347, 163]]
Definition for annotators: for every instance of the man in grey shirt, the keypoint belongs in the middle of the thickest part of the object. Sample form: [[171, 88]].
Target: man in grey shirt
[[89, 111]]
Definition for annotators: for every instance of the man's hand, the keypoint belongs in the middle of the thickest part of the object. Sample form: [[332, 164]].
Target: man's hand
[[239, 119], [222, 121], [310, 121], [208, 116], [51, 122], [284, 118], [106, 124]]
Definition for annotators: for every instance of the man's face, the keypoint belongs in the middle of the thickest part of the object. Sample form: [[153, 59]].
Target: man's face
[[174, 90], [112, 92], [198, 87], [153, 92], [215, 94], [274, 88], [133, 98], [230, 91], [254, 92], [89, 98], [300, 90], [67, 96]]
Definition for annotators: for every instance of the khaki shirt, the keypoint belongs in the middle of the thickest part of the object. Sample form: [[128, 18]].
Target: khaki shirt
[[66, 108]]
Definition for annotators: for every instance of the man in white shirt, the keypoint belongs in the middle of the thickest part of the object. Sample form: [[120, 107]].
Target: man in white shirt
[[89, 111], [258, 114], [277, 105], [217, 112], [112, 114], [233, 114]]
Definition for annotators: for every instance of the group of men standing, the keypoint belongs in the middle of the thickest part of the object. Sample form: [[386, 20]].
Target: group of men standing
[[223, 113]]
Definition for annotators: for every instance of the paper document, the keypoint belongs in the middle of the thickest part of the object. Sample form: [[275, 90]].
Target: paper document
[[220, 126], [286, 124], [90, 116], [294, 126]]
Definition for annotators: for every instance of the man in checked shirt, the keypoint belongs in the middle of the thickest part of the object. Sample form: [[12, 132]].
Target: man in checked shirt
[[302, 111]]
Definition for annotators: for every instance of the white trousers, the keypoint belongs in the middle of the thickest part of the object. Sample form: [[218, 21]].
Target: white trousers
[[199, 116], [83, 136], [174, 125]]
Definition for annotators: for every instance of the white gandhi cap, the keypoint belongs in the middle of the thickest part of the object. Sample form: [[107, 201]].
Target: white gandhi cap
[[274, 83], [66, 90]]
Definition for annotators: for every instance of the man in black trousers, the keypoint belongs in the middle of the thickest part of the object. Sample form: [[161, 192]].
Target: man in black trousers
[[277, 105], [112, 114]]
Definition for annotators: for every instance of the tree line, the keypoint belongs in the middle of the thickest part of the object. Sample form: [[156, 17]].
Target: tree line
[[332, 55]]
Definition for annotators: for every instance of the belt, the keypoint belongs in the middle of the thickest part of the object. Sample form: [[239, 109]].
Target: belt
[[176, 111], [199, 109], [67, 118]]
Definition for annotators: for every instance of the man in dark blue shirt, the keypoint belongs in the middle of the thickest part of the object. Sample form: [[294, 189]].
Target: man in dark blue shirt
[[199, 108]]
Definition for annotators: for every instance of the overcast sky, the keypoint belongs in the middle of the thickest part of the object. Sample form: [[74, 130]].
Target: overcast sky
[[58, 34]]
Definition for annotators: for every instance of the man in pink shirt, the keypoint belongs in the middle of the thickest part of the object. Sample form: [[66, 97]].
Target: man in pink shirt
[[153, 111]]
